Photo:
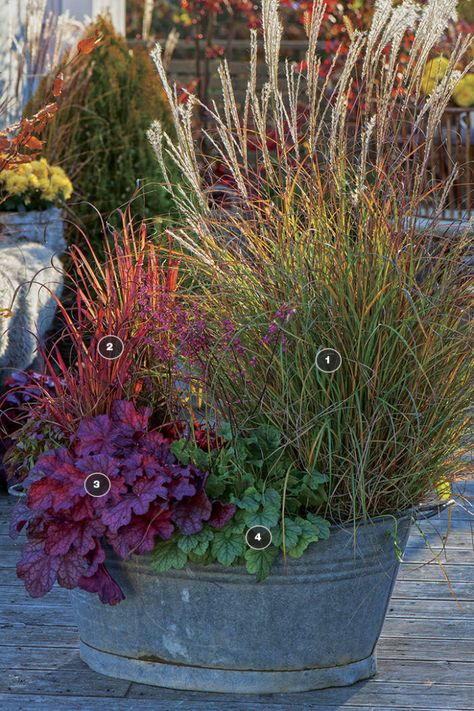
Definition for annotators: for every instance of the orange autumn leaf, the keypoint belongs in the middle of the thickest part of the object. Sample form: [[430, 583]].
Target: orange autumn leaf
[[34, 143], [58, 84], [86, 46], [6, 313]]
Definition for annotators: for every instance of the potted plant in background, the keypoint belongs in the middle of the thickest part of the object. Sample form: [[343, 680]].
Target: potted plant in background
[[31, 241], [31, 197], [316, 248]]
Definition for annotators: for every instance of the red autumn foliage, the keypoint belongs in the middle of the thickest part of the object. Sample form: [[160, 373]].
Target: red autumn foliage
[[151, 496], [20, 143]]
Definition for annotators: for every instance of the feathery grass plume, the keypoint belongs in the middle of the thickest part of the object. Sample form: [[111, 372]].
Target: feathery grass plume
[[317, 244]]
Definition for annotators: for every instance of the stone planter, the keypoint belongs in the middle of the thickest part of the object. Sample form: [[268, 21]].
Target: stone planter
[[313, 623], [31, 279], [41, 226]]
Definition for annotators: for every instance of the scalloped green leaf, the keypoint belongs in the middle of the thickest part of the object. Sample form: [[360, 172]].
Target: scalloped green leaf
[[227, 548], [249, 501], [265, 517], [259, 563], [293, 531], [312, 530], [167, 556], [197, 542], [322, 527], [271, 499]]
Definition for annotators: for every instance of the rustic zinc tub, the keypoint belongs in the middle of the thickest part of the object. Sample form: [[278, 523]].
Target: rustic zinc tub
[[313, 623]]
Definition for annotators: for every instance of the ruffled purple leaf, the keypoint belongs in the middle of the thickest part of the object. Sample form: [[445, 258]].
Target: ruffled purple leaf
[[37, 569], [182, 484], [145, 491], [94, 436], [21, 514], [72, 567], [221, 514], [110, 466], [124, 412], [56, 494], [94, 558], [158, 447], [139, 535], [190, 514], [120, 514], [61, 536], [141, 464]]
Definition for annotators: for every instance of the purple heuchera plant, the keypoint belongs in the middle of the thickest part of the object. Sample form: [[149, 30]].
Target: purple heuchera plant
[[152, 495]]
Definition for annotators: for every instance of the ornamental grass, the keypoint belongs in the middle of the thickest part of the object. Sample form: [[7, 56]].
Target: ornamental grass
[[316, 244]]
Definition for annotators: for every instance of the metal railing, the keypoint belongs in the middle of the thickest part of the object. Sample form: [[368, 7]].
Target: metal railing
[[454, 147]]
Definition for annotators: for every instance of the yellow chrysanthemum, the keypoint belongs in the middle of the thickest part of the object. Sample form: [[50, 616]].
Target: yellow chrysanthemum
[[463, 94], [434, 72], [14, 184], [67, 190], [33, 182], [29, 179], [40, 167], [43, 183]]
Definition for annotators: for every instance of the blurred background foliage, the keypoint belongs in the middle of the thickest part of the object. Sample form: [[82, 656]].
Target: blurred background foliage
[[165, 14], [110, 97]]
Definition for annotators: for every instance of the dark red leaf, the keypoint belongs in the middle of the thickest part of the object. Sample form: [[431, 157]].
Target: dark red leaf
[[86, 46], [189, 515], [221, 514], [104, 585]]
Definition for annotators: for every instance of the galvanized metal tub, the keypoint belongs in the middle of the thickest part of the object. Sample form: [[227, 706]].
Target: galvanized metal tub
[[313, 623]]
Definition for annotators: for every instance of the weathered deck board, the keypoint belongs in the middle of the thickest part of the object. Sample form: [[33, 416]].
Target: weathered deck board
[[25, 703], [426, 653]]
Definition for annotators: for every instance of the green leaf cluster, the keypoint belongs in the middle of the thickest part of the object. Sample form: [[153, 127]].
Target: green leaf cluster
[[253, 463], [239, 473], [227, 546]]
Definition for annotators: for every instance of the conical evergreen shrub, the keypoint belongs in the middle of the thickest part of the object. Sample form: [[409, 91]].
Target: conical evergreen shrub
[[109, 100]]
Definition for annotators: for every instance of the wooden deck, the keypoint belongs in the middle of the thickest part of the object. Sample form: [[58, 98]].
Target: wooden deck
[[426, 653]]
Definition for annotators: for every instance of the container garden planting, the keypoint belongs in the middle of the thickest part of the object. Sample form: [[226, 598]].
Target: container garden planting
[[31, 195], [221, 415], [31, 240]]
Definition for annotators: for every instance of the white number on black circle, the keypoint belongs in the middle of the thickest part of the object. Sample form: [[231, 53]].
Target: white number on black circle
[[258, 537], [110, 347], [97, 484]]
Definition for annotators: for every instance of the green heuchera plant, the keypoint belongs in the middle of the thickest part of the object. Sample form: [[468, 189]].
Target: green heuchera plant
[[237, 471]]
